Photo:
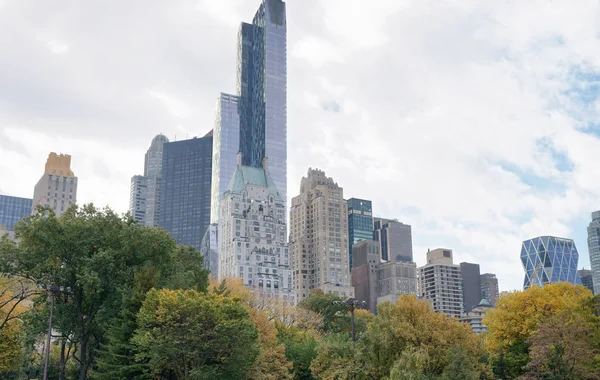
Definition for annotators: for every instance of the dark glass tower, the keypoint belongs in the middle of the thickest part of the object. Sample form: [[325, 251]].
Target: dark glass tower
[[395, 239], [471, 284], [185, 190], [262, 90], [360, 222]]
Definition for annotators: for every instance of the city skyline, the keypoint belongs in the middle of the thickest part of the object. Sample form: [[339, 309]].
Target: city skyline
[[388, 124]]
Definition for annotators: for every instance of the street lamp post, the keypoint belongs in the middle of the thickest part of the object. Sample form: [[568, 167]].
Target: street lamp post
[[54, 290], [351, 303]]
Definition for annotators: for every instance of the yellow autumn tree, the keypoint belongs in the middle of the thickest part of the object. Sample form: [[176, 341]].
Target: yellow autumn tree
[[518, 315]]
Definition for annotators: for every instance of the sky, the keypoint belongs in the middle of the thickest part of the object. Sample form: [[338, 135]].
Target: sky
[[477, 122]]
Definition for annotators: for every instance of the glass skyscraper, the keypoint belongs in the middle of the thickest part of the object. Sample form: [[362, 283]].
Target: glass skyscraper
[[594, 249], [395, 239], [226, 144], [360, 222], [262, 90], [13, 209], [548, 259], [185, 189]]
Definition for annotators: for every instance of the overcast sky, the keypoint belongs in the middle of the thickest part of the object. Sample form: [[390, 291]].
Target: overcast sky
[[476, 122]]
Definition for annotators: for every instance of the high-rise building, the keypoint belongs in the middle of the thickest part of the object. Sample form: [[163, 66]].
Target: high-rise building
[[138, 196], [185, 189], [152, 171], [549, 259], [471, 282], [364, 272], [12, 210], [57, 188], [262, 90], [319, 237], [594, 249], [395, 278], [226, 145], [252, 241], [360, 222], [144, 191], [395, 239], [489, 288], [441, 282], [209, 247], [587, 279], [475, 316]]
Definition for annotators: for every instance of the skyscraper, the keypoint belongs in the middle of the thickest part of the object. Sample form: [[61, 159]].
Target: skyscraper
[[57, 188], [262, 90], [226, 145], [587, 279], [319, 237], [252, 241], [364, 273], [548, 259], [12, 210], [594, 249], [441, 282], [489, 288], [360, 222], [471, 283], [185, 188], [395, 239], [144, 192]]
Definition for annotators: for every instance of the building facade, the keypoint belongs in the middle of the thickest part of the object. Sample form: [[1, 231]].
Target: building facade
[[360, 222], [185, 189], [395, 279], [319, 237], [489, 288], [587, 279], [395, 239], [252, 241], [364, 272], [549, 259], [209, 247], [57, 188], [262, 90], [138, 195], [12, 210], [593, 231], [475, 316], [441, 282], [144, 191], [226, 145], [471, 282]]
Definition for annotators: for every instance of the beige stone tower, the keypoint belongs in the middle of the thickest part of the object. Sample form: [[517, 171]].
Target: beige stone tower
[[319, 237], [58, 186]]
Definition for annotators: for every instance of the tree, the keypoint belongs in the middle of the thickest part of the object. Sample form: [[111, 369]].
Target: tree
[[460, 366], [336, 359], [411, 365], [562, 348], [92, 255], [336, 316], [190, 335], [518, 315], [272, 363], [14, 292], [300, 348], [413, 325]]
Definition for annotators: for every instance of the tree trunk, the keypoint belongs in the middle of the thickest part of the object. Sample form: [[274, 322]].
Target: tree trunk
[[84, 359], [63, 360]]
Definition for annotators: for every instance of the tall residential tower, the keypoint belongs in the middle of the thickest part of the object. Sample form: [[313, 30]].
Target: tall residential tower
[[594, 249], [58, 186], [262, 90], [319, 237], [441, 282]]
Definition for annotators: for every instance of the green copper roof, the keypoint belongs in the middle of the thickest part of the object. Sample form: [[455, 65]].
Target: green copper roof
[[484, 303], [248, 175]]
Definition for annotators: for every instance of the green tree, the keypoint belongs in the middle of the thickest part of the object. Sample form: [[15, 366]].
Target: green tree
[[413, 325], [336, 359], [300, 349], [191, 335], [411, 365], [460, 366], [336, 316], [93, 256]]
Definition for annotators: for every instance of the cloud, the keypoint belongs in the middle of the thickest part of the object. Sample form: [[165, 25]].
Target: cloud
[[476, 122]]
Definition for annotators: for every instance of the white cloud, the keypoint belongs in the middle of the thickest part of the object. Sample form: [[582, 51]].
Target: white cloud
[[463, 118]]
